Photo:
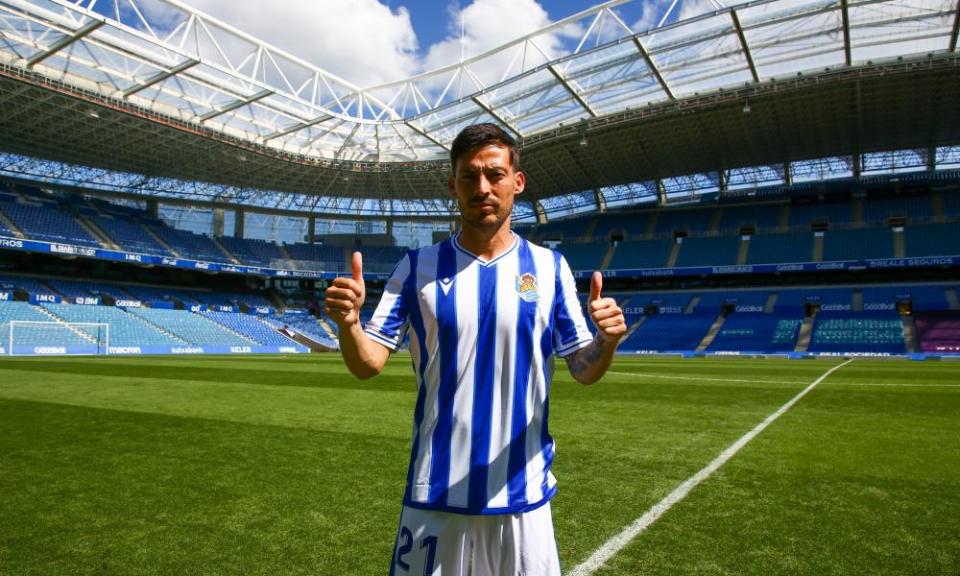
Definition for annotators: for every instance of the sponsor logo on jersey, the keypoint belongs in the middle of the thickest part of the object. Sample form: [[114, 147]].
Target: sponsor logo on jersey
[[527, 287]]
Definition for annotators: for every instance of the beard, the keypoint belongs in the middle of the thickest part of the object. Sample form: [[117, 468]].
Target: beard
[[480, 218]]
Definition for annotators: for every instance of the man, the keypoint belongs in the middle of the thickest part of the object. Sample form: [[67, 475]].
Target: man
[[486, 311]]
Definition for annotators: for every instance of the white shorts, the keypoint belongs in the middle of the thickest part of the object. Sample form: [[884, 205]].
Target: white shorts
[[432, 543]]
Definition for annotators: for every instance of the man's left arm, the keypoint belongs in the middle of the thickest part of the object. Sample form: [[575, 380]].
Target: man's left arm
[[590, 363]]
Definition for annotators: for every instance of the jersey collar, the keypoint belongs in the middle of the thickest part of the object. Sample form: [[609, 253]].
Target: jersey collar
[[481, 261]]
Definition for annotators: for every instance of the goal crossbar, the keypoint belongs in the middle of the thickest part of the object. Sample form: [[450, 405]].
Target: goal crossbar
[[99, 338]]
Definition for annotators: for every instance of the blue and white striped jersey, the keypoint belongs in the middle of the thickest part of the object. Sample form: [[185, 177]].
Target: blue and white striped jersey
[[483, 338]]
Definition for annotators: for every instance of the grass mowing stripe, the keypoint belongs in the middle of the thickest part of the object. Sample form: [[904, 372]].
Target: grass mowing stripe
[[615, 544], [707, 379]]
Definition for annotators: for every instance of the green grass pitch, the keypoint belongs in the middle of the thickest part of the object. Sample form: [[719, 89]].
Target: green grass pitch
[[276, 465]]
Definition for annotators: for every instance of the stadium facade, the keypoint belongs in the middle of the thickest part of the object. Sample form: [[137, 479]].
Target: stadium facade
[[776, 177]]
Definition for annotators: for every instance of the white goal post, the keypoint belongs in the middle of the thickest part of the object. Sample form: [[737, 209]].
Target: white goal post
[[28, 337]]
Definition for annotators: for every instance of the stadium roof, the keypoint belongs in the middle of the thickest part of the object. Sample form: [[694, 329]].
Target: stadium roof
[[159, 89]]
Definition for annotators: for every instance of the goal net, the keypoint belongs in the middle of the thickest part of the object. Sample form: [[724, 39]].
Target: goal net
[[42, 338]]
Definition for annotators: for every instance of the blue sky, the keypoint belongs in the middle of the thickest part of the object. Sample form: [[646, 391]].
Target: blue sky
[[431, 18], [369, 42]]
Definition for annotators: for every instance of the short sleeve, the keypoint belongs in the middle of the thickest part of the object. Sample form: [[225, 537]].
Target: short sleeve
[[392, 316], [571, 332]]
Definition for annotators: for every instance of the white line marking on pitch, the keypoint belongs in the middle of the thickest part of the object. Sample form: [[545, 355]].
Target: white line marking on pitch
[[896, 385], [618, 542], [708, 379]]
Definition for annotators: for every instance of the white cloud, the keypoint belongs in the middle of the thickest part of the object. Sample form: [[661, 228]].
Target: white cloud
[[362, 41], [485, 27]]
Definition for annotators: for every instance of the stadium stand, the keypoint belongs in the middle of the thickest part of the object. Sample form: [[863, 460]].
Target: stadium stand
[[25, 312], [864, 332], [323, 257], [708, 251], [669, 333], [583, 255], [858, 244], [129, 235], [250, 327], [256, 252], [191, 328], [932, 240], [641, 254], [302, 323], [190, 245], [757, 333], [804, 215], [42, 222], [763, 217], [689, 220], [780, 248], [938, 331], [125, 329], [915, 209]]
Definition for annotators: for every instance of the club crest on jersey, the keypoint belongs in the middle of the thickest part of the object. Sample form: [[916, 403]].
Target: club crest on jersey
[[527, 287]]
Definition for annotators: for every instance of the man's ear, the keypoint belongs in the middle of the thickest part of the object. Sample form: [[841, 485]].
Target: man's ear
[[521, 182], [452, 186]]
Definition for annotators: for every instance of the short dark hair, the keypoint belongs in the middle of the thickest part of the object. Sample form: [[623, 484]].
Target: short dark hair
[[479, 135]]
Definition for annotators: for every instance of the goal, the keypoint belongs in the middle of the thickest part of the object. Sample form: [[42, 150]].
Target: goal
[[25, 337]]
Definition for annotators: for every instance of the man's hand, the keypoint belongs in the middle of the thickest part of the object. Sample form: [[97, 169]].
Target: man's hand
[[606, 315], [345, 295]]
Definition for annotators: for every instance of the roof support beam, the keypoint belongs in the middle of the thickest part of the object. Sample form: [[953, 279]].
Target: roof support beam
[[299, 126], [238, 104], [743, 43], [956, 29], [160, 77], [576, 96], [845, 13], [413, 127], [63, 43], [653, 68], [497, 116]]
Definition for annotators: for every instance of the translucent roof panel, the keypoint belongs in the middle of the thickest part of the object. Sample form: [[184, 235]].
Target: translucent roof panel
[[948, 157], [568, 204], [754, 177], [793, 35], [881, 30], [633, 194], [894, 162], [821, 169]]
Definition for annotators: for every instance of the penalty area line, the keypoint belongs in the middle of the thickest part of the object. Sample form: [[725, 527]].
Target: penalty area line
[[619, 541]]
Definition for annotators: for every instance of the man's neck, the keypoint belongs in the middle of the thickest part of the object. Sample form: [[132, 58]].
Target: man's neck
[[484, 244]]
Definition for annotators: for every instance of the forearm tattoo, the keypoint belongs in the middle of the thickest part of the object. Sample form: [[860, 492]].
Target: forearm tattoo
[[587, 357]]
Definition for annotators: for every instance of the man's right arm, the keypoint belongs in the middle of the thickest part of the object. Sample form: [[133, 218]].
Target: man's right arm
[[345, 296]]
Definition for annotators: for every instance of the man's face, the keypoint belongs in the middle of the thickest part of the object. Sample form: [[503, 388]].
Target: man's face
[[484, 183]]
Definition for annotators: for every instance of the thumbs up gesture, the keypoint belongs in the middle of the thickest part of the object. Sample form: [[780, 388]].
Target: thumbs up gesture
[[345, 295], [606, 315]]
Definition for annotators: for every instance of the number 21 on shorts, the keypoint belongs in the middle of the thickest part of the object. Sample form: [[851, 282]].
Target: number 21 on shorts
[[427, 550]]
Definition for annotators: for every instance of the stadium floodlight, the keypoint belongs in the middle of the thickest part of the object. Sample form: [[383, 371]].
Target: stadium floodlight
[[28, 337]]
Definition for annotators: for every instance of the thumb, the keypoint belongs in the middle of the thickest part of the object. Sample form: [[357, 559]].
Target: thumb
[[356, 266], [596, 284]]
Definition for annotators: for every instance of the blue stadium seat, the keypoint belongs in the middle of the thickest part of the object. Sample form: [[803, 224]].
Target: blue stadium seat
[[780, 248], [631, 254], [803, 215], [858, 244], [932, 240], [584, 255], [709, 251], [863, 332], [669, 333], [760, 216]]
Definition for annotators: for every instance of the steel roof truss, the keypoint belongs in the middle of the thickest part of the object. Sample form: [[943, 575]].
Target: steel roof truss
[[573, 92], [845, 17], [496, 116], [238, 104], [653, 68], [64, 42], [743, 43], [160, 77], [956, 29]]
